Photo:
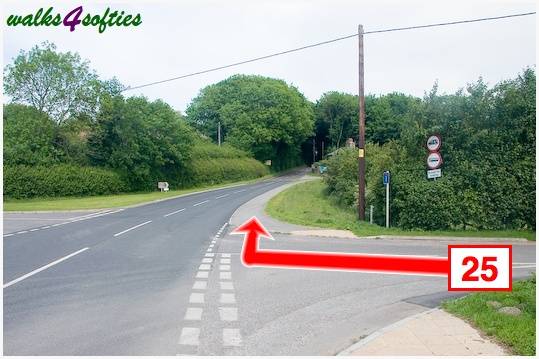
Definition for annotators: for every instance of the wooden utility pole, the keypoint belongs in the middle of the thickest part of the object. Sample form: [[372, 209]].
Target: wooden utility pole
[[361, 139]]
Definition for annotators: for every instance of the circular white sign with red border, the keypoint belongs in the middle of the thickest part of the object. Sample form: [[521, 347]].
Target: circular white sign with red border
[[434, 143], [434, 160]]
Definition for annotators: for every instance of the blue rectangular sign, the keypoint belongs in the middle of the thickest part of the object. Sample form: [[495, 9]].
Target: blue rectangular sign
[[386, 177]]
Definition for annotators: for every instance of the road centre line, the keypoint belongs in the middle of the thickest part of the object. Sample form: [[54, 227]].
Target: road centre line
[[199, 203], [171, 213], [222, 196], [130, 229], [44, 267], [241, 190]]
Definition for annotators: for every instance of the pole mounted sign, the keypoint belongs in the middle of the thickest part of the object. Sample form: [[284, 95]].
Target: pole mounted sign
[[434, 158], [434, 143], [386, 178]]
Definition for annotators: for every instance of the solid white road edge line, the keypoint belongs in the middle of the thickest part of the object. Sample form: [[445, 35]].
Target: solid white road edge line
[[130, 229], [45, 267]]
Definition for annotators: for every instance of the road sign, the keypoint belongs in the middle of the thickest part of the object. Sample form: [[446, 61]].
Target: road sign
[[386, 178], [434, 173], [434, 143], [434, 160]]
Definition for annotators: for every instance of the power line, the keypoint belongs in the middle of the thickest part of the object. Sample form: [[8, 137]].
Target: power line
[[325, 43]]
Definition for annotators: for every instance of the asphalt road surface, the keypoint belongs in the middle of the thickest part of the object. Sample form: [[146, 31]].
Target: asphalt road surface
[[166, 279]]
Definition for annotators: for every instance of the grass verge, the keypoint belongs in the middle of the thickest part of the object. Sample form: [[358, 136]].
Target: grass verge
[[516, 332], [307, 204], [108, 201]]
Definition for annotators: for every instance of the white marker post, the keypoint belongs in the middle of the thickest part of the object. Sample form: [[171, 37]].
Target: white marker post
[[386, 180]]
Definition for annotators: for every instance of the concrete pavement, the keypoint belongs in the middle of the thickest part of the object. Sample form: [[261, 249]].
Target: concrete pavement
[[434, 332]]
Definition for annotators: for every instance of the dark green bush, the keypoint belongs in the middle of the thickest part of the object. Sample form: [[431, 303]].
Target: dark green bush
[[22, 181], [219, 170]]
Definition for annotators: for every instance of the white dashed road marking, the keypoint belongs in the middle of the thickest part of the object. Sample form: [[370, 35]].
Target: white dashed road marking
[[193, 314], [190, 336], [44, 267], [171, 213], [202, 274], [199, 203], [130, 229], [228, 314], [231, 337], [225, 275], [224, 195], [200, 285], [227, 298], [196, 298], [226, 285]]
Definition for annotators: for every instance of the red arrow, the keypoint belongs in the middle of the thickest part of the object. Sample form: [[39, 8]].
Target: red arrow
[[252, 256]]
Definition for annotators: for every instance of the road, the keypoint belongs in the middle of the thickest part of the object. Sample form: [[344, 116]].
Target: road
[[166, 279]]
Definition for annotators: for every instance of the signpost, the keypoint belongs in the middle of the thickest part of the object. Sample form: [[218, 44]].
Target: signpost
[[434, 158], [386, 179]]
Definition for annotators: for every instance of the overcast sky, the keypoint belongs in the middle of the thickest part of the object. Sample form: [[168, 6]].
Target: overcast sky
[[180, 37]]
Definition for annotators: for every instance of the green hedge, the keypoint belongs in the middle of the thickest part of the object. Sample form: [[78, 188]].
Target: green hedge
[[60, 180], [214, 171]]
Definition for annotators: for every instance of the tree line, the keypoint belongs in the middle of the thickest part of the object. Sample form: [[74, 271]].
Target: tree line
[[488, 149], [65, 126]]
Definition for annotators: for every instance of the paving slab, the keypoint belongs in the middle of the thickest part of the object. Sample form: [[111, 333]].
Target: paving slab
[[434, 332]]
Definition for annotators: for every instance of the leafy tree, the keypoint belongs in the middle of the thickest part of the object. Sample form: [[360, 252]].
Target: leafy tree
[[263, 116], [29, 136], [146, 141], [386, 114], [336, 115], [59, 84]]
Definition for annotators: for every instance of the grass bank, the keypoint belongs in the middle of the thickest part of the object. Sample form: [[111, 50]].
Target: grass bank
[[106, 201], [516, 332], [307, 204]]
